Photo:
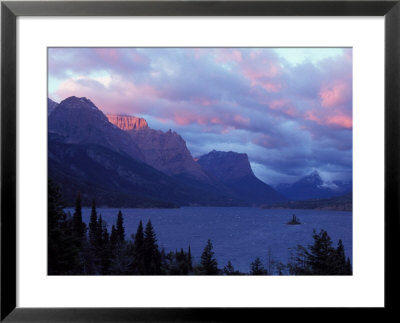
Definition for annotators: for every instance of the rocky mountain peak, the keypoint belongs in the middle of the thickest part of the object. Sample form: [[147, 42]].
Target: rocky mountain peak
[[75, 102], [313, 178], [126, 122], [80, 121]]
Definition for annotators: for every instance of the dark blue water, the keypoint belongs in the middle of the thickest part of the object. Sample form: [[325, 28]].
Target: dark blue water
[[238, 234]]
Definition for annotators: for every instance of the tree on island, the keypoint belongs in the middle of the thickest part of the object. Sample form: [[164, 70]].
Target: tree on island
[[294, 220]]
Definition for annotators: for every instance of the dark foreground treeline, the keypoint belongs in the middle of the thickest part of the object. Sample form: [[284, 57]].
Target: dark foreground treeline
[[77, 249]]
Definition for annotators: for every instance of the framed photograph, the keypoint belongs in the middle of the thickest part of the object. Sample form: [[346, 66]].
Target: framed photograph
[[198, 160]]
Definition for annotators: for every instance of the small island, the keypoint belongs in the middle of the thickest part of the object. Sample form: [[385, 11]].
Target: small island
[[294, 220]]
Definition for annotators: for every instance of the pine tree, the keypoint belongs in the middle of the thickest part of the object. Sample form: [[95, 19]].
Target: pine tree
[[93, 225], [139, 237], [321, 252], [56, 216], [349, 269], [151, 254], [105, 254], [339, 260], [320, 258], [98, 238], [136, 265], [79, 234], [208, 264], [64, 255], [230, 270], [182, 263], [113, 237], [165, 262], [189, 259], [106, 237], [120, 227], [78, 226], [257, 268]]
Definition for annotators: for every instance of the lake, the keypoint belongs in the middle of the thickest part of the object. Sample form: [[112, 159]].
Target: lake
[[238, 234]]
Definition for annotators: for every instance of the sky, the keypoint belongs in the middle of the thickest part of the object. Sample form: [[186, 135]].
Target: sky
[[288, 109]]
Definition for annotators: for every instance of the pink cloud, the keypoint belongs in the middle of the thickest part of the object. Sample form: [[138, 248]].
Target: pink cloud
[[241, 120], [335, 94], [204, 101], [341, 121], [228, 55], [262, 69], [182, 120], [271, 87], [108, 54], [337, 120], [118, 97], [311, 116]]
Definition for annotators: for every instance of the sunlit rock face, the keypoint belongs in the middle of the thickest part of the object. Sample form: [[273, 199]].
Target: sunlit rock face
[[125, 122], [165, 151]]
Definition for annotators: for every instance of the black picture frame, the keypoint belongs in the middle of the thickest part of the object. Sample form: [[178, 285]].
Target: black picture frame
[[10, 10]]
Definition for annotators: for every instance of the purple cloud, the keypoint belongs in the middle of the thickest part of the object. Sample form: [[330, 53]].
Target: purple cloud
[[289, 118]]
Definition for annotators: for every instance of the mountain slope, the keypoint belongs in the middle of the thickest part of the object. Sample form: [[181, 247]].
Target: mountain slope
[[234, 171], [81, 122], [51, 105], [115, 179], [165, 151]]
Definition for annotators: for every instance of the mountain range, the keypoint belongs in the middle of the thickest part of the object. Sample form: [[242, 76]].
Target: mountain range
[[312, 186], [337, 203], [121, 162]]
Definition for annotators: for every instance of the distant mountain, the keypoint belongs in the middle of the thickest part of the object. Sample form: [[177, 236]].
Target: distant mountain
[[51, 105], [313, 187], [165, 151], [79, 121], [234, 171], [338, 203]]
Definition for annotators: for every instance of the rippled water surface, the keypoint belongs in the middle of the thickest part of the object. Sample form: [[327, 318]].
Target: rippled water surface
[[238, 234]]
